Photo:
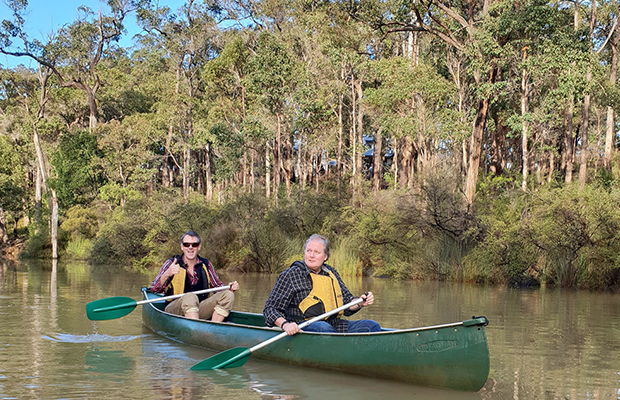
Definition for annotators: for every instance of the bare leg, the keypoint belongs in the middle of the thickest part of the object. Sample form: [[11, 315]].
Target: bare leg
[[217, 317], [192, 314]]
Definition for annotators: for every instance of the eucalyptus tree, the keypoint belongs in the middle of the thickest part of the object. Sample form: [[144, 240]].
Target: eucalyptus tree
[[74, 51], [413, 104], [13, 192], [78, 173], [538, 48], [320, 112], [609, 34], [459, 26], [16, 161], [187, 40], [271, 79], [333, 50], [31, 90], [231, 103], [127, 156]]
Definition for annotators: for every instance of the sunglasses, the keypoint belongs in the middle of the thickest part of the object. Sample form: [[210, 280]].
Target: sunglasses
[[191, 244]]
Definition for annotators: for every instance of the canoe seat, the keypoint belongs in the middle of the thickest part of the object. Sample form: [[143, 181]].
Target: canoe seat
[[246, 319]]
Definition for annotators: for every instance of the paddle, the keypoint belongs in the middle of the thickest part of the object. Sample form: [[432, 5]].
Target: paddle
[[116, 307], [237, 356]]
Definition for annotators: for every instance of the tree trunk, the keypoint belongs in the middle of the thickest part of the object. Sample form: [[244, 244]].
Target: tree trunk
[[54, 224], [551, 166], [267, 172], [208, 174], [38, 196], [186, 161], [524, 126], [167, 170], [92, 106], [407, 162], [377, 163], [252, 177], [288, 157], [339, 148], [277, 160], [471, 179], [497, 160], [569, 142], [360, 126], [317, 166], [53, 199], [583, 153], [609, 136], [354, 143], [305, 168], [4, 237]]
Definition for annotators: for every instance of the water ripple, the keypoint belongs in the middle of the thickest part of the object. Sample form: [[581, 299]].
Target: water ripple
[[88, 338]]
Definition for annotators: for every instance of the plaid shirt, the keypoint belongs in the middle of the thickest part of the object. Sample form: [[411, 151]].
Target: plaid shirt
[[293, 285], [157, 287]]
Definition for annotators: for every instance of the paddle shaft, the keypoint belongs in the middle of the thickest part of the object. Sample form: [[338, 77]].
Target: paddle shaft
[[244, 353], [175, 296], [308, 322]]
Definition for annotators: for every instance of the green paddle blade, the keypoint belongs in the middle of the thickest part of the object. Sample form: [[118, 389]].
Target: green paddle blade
[[230, 358], [110, 308]]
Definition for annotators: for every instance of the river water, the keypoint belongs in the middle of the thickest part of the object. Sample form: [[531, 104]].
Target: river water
[[544, 343]]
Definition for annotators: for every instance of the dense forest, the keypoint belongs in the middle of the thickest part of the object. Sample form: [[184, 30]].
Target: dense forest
[[471, 140]]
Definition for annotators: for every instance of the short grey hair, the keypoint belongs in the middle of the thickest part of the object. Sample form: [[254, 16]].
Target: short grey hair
[[191, 234], [321, 239]]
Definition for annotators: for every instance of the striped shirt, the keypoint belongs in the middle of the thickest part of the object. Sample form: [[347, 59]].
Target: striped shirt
[[157, 287], [293, 285]]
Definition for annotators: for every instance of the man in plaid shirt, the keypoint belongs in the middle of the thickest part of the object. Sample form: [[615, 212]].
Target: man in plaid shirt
[[282, 308]]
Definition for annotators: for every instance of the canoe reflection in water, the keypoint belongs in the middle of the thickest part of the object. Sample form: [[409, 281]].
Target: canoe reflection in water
[[452, 356], [269, 380]]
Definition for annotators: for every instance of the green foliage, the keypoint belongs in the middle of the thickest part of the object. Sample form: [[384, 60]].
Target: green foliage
[[562, 236], [38, 246], [81, 222], [272, 69], [121, 238], [12, 190], [77, 166], [268, 246], [381, 234], [577, 230], [344, 257], [79, 249], [306, 213], [195, 97], [504, 254]]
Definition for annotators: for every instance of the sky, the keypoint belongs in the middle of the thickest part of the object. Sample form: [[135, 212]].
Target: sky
[[45, 16]]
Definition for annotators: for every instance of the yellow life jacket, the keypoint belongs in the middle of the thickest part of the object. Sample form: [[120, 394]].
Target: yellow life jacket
[[178, 280], [325, 296]]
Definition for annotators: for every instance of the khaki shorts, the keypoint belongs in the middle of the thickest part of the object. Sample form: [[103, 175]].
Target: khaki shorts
[[220, 302]]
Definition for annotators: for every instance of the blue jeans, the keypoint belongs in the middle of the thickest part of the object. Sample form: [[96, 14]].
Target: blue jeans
[[362, 325]]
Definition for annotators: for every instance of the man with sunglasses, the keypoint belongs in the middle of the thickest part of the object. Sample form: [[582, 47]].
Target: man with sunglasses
[[188, 273]]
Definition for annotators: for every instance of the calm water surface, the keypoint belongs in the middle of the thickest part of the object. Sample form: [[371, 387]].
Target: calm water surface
[[544, 344]]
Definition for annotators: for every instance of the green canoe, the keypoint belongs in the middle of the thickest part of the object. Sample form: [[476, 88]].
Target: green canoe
[[452, 356]]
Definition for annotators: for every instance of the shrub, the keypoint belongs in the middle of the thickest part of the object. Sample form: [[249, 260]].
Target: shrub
[[504, 253], [577, 230]]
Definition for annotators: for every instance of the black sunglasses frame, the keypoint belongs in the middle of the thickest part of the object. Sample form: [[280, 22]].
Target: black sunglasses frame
[[190, 244]]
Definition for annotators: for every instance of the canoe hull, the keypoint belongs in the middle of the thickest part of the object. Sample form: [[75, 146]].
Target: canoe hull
[[452, 356]]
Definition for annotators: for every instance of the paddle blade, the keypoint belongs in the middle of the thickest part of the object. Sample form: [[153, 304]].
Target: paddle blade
[[110, 308], [230, 358]]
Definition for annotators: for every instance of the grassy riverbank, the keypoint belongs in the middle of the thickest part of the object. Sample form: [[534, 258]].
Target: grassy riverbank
[[560, 236]]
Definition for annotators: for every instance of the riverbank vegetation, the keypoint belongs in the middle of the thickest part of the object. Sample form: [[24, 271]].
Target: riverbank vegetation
[[472, 141]]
